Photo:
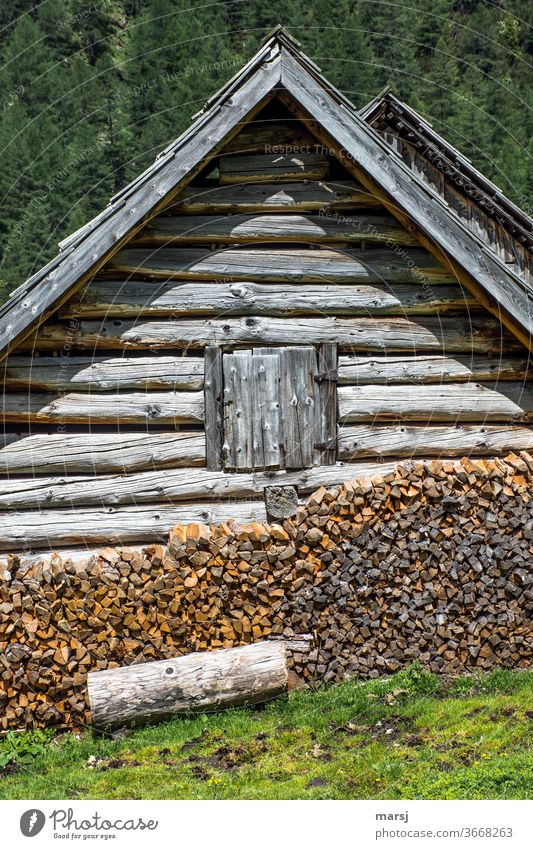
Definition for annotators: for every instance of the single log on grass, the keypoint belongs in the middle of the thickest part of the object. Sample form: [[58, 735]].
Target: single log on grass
[[195, 683]]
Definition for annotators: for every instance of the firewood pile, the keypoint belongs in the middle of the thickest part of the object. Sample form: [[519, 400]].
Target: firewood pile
[[429, 563]]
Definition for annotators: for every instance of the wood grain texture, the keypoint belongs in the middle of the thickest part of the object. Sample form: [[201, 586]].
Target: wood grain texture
[[283, 265], [130, 298], [213, 403], [310, 196], [201, 682], [297, 405], [103, 373], [462, 402], [100, 453], [475, 334], [167, 230], [357, 442], [270, 167], [114, 526], [99, 407], [171, 485], [326, 406], [431, 369]]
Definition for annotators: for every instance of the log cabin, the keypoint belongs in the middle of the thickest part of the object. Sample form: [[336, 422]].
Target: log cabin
[[294, 293]]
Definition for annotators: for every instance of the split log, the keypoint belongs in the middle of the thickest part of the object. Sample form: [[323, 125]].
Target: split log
[[100, 453], [270, 167], [103, 373], [286, 227], [131, 298], [177, 485], [430, 369], [97, 408], [372, 441], [425, 333], [461, 402], [115, 525], [290, 197], [202, 682], [282, 265]]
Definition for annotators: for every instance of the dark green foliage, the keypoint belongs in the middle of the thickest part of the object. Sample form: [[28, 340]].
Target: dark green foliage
[[91, 92]]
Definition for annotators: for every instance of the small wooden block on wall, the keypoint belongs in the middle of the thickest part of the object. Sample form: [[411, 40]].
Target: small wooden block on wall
[[281, 502]]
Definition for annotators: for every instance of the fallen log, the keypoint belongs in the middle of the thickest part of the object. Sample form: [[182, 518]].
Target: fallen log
[[195, 683]]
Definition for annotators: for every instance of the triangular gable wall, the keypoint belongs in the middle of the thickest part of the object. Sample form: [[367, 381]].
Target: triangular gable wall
[[278, 67]]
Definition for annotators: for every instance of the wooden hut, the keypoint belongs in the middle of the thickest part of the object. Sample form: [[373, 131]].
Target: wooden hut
[[293, 293]]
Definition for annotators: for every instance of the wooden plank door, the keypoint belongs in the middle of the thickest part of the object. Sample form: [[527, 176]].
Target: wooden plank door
[[297, 402], [279, 408], [252, 422]]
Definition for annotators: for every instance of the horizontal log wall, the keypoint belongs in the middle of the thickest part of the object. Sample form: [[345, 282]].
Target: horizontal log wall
[[114, 401]]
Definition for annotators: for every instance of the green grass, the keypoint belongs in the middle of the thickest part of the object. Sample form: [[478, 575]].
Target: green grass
[[410, 736]]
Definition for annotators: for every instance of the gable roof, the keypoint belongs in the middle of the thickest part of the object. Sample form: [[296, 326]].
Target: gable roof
[[279, 69], [392, 117]]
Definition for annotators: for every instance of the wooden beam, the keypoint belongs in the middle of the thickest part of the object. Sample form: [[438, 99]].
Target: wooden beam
[[450, 402], [94, 407], [179, 230], [103, 373], [176, 485], [430, 369], [129, 298], [282, 265], [289, 197], [474, 334], [100, 453], [270, 167], [373, 441], [47, 529]]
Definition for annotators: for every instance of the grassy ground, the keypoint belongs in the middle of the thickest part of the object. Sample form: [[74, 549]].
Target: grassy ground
[[410, 736]]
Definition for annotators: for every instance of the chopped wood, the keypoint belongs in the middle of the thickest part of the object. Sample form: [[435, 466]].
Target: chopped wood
[[416, 562]]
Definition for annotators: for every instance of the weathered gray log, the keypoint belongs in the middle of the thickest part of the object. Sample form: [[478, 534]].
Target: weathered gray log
[[283, 265], [115, 526], [272, 137], [130, 298], [176, 485], [270, 167], [309, 196], [462, 402], [100, 453], [475, 334], [103, 373], [94, 407], [371, 441], [284, 227], [430, 369], [201, 682]]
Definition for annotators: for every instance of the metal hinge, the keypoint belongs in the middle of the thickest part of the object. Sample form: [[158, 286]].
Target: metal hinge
[[329, 444], [330, 376]]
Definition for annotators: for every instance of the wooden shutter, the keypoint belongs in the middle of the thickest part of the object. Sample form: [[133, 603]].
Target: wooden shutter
[[279, 407], [297, 402], [251, 410]]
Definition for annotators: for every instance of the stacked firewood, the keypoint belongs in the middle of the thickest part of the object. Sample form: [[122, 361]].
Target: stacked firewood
[[430, 563]]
